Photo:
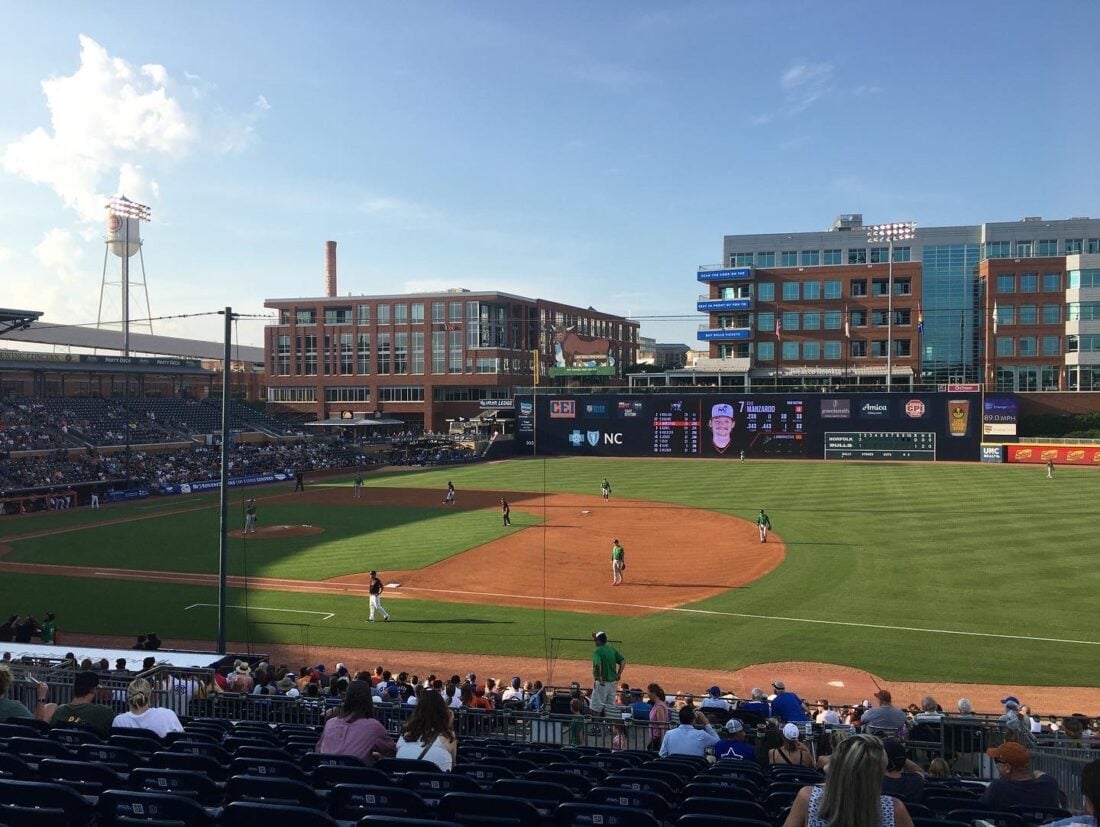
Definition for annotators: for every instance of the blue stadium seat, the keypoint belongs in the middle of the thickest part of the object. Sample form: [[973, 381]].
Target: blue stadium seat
[[610, 762], [542, 758], [14, 729], [257, 814], [327, 776], [117, 807], [995, 817], [36, 795], [398, 821], [268, 768], [958, 800], [432, 786], [135, 732], [205, 748], [693, 763], [186, 761], [38, 748], [87, 778], [739, 769], [117, 758], [577, 783], [701, 820], [731, 790], [73, 737], [271, 753], [476, 809], [484, 775], [181, 782], [351, 801], [593, 774], [285, 790], [312, 760], [136, 743], [673, 779], [400, 766], [645, 784], [1040, 815], [723, 807], [544, 796], [921, 821], [189, 734], [14, 767], [658, 805], [580, 814]]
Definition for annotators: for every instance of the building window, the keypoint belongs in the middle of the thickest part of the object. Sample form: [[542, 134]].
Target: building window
[[1029, 314], [788, 258], [418, 351], [880, 255], [832, 350], [454, 351], [347, 354], [1073, 246], [437, 312], [1094, 245], [360, 394], [1048, 247], [362, 366], [284, 316], [1050, 377], [790, 291], [857, 287], [832, 319], [765, 322], [1082, 311], [283, 355], [1082, 278], [832, 257], [311, 356], [765, 291], [903, 287], [363, 314], [765, 351], [1006, 283], [811, 351], [1072, 344], [1052, 314], [383, 360], [306, 317], [811, 258], [1023, 249], [1052, 282], [455, 311], [880, 287], [902, 316], [857, 256], [811, 321], [859, 318], [291, 394], [487, 365], [1005, 346], [832, 289], [857, 348], [383, 314], [741, 260], [902, 347], [790, 320], [401, 393], [903, 254], [790, 351], [878, 348], [401, 353], [1028, 346], [337, 315], [997, 249], [765, 259], [1029, 282], [1052, 345], [418, 313], [400, 313], [878, 318], [811, 290], [1006, 314], [439, 352]]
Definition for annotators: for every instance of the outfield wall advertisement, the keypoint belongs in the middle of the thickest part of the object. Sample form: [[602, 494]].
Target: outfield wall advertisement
[[1058, 454], [924, 426]]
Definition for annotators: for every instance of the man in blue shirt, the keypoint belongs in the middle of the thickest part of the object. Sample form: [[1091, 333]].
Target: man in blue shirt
[[638, 707], [733, 747], [787, 706], [686, 739], [758, 704]]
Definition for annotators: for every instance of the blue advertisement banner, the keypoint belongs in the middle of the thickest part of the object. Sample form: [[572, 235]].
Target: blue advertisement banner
[[208, 485], [734, 274], [993, 453], [714, 305], [725, 334], [131, 494]]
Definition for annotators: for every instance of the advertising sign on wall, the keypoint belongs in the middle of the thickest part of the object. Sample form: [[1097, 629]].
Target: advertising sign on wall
[[1059, 454]]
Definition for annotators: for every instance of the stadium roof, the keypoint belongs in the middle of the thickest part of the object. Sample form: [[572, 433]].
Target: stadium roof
[[101, 339], [16, 319]]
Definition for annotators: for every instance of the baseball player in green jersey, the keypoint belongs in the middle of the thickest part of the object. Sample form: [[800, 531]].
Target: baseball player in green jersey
[[250, 517], [764, 524], [358, 485], [605, 489], [618, 563]]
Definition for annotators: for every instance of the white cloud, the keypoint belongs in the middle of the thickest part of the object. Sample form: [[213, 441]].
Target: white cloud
[[805, 83], [114, 122]]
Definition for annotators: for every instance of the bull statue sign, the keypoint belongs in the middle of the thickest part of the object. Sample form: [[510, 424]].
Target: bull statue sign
[[576, 354]]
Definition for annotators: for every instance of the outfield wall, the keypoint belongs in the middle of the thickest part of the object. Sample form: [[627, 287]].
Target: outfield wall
[[874, 426]]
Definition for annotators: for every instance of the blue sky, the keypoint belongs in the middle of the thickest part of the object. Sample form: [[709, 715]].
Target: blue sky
[[593, 153]]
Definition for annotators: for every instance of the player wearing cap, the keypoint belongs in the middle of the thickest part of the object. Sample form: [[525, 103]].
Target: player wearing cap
[[618, 563], [250, 517], [376, 590], [764, 525], [607, 670], [721, 426], [605, 489]]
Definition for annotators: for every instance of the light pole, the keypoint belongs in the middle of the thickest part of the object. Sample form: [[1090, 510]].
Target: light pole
[[896, 231], [127, 210]]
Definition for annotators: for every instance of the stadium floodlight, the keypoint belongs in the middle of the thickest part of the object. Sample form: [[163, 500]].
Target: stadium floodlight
[[890, 232], [123, 206]]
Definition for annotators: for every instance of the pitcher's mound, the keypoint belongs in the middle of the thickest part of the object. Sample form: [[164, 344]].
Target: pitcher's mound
[[270, 532]]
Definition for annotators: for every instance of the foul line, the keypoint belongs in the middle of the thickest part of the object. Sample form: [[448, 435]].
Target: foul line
[[326, 615], [768, 617]]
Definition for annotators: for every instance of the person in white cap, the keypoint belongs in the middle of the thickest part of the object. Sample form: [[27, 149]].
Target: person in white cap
[[721, 426], [733, 746]]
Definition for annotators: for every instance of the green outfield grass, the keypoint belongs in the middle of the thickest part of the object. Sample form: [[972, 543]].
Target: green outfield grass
[[959, 572]]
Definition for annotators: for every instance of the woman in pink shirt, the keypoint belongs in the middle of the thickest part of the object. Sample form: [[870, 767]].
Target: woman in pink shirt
[[658, 714], [354, 730]]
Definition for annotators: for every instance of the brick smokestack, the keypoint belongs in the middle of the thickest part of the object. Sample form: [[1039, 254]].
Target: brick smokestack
[[330, 269]]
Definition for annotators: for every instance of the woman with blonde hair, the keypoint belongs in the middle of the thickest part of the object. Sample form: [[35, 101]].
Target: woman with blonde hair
[[429, 733], [143, 715], [852, 793]]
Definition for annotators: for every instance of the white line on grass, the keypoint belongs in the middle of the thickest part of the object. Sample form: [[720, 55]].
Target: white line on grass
[[326, 615], [766, 617]]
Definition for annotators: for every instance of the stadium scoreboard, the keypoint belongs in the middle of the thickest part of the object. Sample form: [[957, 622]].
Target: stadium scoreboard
[[888, 445]]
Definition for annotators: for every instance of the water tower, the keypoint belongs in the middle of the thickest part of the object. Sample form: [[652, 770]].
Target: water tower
[[123, 239]]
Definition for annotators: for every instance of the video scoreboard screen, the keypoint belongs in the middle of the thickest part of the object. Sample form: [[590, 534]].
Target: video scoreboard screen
[[711, 426], [887, 445]]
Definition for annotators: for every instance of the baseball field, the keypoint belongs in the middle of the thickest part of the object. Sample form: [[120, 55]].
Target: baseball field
[[914, 572]]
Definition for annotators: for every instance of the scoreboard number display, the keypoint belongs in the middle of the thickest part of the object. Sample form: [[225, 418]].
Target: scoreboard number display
[[886, 445]]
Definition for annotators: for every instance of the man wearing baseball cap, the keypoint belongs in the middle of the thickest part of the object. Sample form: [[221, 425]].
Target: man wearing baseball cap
[[376, 590], [787, 706], [607, 670], [721, 426], [884, 716], [733, 746], [1016, 784]]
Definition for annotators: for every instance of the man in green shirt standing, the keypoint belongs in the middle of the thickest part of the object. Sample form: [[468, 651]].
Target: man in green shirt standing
[[764, 524], [607, 669], [49, 629], [358, 486], [618, 563]]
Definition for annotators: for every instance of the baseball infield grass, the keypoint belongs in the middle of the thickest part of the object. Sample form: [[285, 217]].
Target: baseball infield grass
[[944, 572]]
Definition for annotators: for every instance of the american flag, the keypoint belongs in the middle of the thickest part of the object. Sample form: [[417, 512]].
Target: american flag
[[778, 326], [847, 324], [920, 319]]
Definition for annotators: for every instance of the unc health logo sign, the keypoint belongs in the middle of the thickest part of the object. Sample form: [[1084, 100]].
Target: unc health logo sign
[[915, 409]]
